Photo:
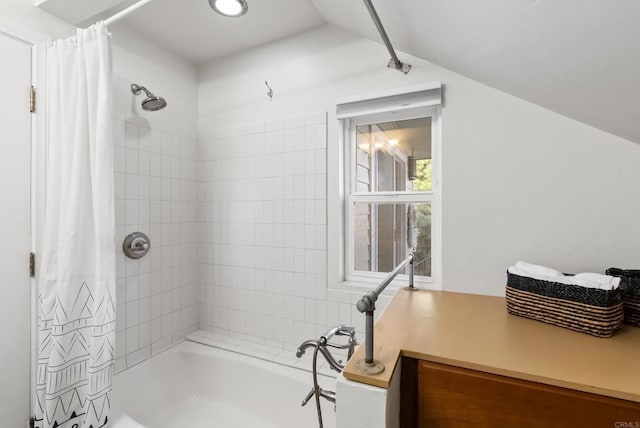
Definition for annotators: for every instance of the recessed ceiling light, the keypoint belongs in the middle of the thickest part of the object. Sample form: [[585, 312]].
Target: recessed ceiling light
[[231, 8]]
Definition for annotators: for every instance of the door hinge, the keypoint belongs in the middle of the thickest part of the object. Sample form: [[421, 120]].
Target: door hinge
[[32, 265], [32, 99], [32, 422]]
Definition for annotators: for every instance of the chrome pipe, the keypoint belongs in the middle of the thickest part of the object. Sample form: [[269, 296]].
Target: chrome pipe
[[120, 15], [316, 387], [352, 347], [368, 341], [339, 330], [303, 347], [395, 62], [329, 334], [411, 268], [329, 395], [308, 397], [367, 305], [383, 33], [368, 301]]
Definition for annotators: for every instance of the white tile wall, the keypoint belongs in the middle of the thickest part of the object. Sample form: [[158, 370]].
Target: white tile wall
[[284, 355], [262, 233], [156, 193]]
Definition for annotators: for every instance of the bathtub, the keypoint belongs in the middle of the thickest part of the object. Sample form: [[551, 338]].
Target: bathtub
[[194, 385]]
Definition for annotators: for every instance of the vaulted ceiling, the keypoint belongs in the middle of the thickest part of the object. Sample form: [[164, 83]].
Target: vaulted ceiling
[[580, 58]]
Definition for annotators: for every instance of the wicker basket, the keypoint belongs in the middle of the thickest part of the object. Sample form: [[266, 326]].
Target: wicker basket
[[631, 286], [587, 310]]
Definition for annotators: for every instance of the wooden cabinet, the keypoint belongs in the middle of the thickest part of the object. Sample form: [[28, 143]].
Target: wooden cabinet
[[447, 396]]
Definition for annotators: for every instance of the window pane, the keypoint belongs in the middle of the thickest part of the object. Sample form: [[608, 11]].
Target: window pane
[[385, 233], [394, 156]]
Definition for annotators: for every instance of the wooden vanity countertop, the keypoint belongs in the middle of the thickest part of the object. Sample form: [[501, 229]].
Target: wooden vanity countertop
[[476, 332]]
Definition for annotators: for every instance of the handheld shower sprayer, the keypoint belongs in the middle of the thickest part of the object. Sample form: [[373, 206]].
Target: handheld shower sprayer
[[339, 330], [323, 341]]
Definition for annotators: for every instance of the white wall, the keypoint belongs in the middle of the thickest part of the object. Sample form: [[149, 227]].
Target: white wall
[[307, 72], [520, 182], [524, 183], [155, 175]]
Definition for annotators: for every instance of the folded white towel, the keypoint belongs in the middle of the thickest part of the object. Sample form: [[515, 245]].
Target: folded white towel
[[587, 280], [584, 282], [537, 269], [522, 272], [609, 282]]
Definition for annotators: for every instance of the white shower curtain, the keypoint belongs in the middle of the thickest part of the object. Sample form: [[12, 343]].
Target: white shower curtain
[[77, 274]]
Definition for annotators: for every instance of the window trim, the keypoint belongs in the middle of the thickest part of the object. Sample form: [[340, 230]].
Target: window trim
[[346, 134]]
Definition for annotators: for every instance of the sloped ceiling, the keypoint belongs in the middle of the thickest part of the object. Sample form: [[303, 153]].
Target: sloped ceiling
[[580, 58]]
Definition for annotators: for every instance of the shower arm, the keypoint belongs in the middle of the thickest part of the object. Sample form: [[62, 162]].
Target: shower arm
[[395, 62], [137, 88]]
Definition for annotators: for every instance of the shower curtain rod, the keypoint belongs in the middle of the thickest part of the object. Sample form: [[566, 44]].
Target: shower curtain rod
[[395, 62], [124, 12]]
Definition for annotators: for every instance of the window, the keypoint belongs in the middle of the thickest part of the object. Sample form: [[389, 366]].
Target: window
[[391, 193]]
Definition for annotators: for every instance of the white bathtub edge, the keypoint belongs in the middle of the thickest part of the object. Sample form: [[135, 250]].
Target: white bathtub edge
[[364, 406]]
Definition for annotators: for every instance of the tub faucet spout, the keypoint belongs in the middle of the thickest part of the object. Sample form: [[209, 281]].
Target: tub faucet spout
[[306, 344]]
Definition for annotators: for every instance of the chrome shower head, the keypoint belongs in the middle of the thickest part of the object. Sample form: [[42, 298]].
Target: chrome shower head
[[152, 102]]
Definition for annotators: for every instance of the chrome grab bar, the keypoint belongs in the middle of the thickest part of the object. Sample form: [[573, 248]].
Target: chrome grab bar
[[367, 305]]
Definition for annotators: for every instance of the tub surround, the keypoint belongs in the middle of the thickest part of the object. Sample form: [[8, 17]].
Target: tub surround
[[476, 332], [155, 168], [282, 355]]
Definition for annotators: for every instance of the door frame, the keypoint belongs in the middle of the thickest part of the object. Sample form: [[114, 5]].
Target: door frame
[[38, 43]]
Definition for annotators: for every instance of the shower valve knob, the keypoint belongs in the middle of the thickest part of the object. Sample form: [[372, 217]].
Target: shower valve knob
[[136, 245]]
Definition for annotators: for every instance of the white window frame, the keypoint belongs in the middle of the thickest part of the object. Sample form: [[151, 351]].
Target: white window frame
[[347, 135]]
